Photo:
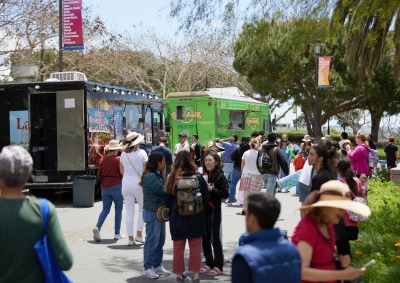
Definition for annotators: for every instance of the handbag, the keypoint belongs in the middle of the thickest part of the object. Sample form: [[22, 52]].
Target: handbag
[[162, 212], [52, 272]]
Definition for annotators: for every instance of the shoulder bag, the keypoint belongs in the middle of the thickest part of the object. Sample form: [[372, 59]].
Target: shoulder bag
[[162, 211], [52, 272]]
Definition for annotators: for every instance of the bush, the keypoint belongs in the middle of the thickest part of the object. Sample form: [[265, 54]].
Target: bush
[[381, 173], [379, 237]]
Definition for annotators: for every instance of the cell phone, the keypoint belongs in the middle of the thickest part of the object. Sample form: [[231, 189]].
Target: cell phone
[[369, 263]]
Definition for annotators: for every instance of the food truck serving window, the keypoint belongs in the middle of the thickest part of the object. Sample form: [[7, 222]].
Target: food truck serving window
[[237, 120], [180, 110]]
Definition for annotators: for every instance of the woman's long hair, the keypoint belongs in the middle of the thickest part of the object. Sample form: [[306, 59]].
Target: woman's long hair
[[345, 171], [183, 166], [152, 164], [218, 167], [132, 148]]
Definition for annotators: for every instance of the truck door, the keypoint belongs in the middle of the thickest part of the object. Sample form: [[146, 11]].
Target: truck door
[[43, 130], [70, 130]]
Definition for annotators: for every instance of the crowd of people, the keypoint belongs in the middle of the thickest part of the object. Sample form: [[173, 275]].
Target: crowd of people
[[330, 176]]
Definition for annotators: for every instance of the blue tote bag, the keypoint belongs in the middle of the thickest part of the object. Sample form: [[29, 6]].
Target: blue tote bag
[[52, 272]]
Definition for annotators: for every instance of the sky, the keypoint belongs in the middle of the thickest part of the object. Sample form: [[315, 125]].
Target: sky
[[131, 15]]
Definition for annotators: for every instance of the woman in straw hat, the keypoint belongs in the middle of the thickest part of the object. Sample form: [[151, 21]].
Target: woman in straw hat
[[21, 222], [305, 146], [133, 162], [315, 238], [110, 174]]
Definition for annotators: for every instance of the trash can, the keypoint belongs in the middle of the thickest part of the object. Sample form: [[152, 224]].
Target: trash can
[[395, 175], [83, 190]]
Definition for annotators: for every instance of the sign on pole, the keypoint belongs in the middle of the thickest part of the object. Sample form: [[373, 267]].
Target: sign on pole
[[324, 63], [72, 25]]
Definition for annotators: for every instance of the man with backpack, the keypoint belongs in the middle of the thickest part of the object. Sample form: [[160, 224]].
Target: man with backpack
[[273, 159]]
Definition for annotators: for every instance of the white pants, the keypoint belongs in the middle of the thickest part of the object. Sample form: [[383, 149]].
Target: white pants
[[132, 192]]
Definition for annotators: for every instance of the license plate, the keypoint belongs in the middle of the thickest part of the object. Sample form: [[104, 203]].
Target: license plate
[[40, 179]]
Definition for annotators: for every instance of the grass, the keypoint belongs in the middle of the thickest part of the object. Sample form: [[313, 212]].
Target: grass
[[379, 237]]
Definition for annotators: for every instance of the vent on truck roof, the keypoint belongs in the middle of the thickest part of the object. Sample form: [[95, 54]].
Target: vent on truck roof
[[68, 76]]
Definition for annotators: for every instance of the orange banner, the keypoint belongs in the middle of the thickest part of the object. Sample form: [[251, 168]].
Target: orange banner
[[324, 63]]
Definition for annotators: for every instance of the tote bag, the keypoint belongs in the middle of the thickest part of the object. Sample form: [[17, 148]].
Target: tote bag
[[52, 272]]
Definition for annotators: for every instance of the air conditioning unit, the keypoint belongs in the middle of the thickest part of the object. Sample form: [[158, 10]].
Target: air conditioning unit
[[68, 76]]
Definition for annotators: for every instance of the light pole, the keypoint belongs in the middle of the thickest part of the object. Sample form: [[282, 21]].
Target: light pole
[[317, 130]]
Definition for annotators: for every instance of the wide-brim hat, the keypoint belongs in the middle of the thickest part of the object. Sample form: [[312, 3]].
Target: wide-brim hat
[[219, 146], [114, 145], [134, 138], [307, 138], [337, 194], [345, 142]]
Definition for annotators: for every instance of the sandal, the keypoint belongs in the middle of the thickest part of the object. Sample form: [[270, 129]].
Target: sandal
[[216, 271], [205, 269]]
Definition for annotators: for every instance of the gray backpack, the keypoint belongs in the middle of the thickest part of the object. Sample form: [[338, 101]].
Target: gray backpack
[[188, 196]]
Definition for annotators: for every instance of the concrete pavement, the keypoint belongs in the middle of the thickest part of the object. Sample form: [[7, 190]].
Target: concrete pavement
[[114, 261]]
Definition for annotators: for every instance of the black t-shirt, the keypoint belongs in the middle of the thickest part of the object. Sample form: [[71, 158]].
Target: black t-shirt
[[390, 151], [323, 176]]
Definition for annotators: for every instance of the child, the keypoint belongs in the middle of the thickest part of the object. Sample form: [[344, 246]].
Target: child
[[299, 161]]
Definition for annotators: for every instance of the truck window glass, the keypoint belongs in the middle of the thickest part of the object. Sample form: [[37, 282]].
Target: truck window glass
[[180, 110], [237, 120]]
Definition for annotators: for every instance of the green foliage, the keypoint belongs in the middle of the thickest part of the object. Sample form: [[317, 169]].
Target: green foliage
[[379, 237], [381, 173]]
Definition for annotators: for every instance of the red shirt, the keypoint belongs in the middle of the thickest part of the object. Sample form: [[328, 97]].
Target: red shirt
[[109, 171], [298, 163], [323, 249]]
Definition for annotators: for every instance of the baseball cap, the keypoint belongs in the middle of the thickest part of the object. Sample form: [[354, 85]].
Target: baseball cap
[[391, 138], [182, 135]]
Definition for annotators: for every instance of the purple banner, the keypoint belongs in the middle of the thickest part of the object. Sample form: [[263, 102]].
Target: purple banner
[[72, 25]]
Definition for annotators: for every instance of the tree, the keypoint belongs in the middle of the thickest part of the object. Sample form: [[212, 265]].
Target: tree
[[354, 119], [369, 23], [277, 58]]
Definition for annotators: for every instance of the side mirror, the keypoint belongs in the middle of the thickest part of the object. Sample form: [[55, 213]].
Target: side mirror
[[167, 124], [168, 129]]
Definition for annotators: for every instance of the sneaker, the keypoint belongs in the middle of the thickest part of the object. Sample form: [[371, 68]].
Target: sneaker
[[229, 203], [161, 270], [96, 234], [131, 243], [149, 273], [119, 236], [139, 239], [234, 200], [184, 279], [285, 191]]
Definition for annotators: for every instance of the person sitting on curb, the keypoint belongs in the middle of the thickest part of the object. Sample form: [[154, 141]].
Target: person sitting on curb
[[264, 254]]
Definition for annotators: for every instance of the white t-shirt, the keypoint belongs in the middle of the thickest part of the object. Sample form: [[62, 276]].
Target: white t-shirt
[[250, 162], [305, 175], [137, 158]]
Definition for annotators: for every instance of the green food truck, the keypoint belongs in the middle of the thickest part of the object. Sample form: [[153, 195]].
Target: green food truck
[[214, 113]]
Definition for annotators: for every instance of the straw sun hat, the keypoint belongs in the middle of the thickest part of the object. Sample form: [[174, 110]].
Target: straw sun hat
[[134, 138], [337, 194], [113, 145], [307, 138]]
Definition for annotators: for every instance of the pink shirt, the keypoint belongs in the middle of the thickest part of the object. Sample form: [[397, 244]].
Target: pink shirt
[[359, 159], [323, 249]]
